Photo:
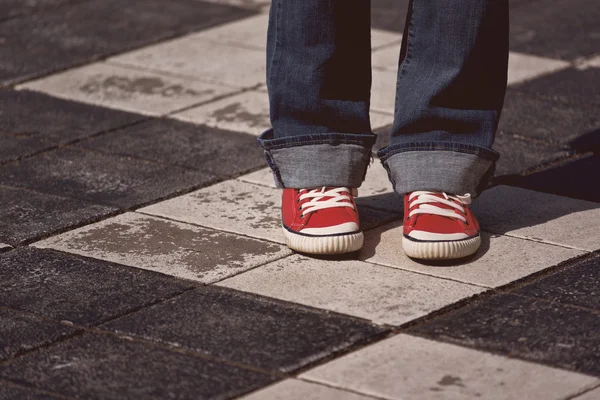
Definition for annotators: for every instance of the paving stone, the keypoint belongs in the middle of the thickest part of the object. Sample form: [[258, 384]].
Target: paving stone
[[172, 248], [240, 207], [387, 57], [530, 329], [524, 67], [389, 14], [591, 395], [187, 57], [561, 29], [250, 32], [294, 389], [529, 116], [260, 332], [11, 392], [263, 177], [380, 294], [519, 154], [100, 178], [103, 366], [247, 112], [129, 89], [182, 144], [4, 247], [31, 122], [62, 37], [539, 216], [434, 370], [82, 291], [499, 261], [21, 332], [578, 285], [570, 178], [380, 119], [383, 90], [26, 215], [13, 8], [381, 38], [571, 87]]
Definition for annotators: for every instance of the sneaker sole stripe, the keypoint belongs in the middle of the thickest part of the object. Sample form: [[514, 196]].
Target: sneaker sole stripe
[[446, 250], [331, 244]]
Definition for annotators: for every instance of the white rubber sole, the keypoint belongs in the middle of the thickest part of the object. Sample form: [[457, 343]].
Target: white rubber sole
[[441, 250], [338, 244]]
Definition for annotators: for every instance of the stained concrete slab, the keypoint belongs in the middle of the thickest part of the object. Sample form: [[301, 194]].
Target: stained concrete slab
[[79, 290], [531, 329], [21, 332], [63, 37], [434, 370], [26, 216], [104, 366], [100, 178], [251, 31], [590, 395], [294, 389], [499, 261], [198, 147], [129, 89], [380, 294], [247, 329], [187, 57], [14, 8], [32, 122], [540, 217], [172, 248], [10, 391]]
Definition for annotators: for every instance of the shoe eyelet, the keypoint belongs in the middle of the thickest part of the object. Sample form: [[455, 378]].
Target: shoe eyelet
[[300, 208], [301, 215]]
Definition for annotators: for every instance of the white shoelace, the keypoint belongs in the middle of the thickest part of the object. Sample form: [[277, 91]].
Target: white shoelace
[[424, 199], [337, 199]]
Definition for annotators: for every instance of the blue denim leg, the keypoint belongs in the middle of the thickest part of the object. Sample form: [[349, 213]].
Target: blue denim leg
[[319, 81], [450, 92]]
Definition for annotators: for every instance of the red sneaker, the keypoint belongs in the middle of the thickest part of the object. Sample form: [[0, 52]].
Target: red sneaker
[[321, 221], [438, 226]]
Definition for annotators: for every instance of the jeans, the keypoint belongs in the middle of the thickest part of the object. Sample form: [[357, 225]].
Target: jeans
[[450, 91]]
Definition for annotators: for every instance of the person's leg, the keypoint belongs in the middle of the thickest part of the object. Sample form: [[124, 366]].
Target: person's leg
[[450, 92], [319, 81]]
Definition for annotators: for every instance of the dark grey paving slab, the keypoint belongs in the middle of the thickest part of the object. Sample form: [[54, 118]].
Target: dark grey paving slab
[[13, 8], [84, 291], [8, 391], [253, 330], [26, 216], [565, 29], [31, 122], [63, 37], [100, 178], [578, 285], [528, 115], [389, 14], [21, 332], [216, 151], [570, 178], [106, 367], [530, 329], [573, 87], [519, 154]]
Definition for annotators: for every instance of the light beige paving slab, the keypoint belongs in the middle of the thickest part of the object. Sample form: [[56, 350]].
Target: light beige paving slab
[[407, 367], [4, 246], [248, 31], [232, 206], [540, 216], [380, 119], [380, 38], [592, 62], [591, 395], [262, 177], [294, 389], [523, 67], [127, 89], [380, 294], [383, 92], [499, 261], [240, 207], [203, 60], [246, 112], [169, 247], [387, 57]]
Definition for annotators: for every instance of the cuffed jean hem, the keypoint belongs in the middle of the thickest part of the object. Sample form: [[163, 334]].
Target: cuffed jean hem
[[317, 160], [459, 169]]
